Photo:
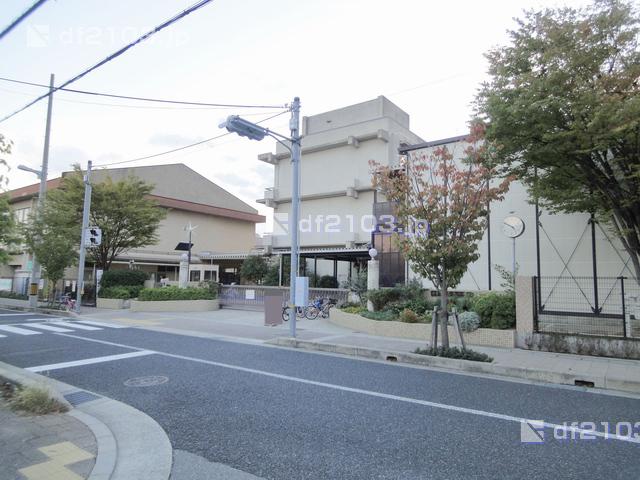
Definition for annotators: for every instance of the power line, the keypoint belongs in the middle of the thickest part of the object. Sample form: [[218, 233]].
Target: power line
[[160, 27], [142, 99], [18, 20], [185, 146]]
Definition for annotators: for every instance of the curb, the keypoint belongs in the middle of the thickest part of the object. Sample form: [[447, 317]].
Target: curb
[[599, 381], [131, 445], [47, 311]]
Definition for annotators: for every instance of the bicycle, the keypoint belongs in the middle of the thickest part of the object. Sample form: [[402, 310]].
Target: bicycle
[[321, 306], [67, 303], [286, 315]]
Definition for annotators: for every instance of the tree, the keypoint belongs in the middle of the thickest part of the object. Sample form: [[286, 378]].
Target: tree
[[8, 233], [127, 218], [441, 209], [254, 269], [55, 251], [563, 108]]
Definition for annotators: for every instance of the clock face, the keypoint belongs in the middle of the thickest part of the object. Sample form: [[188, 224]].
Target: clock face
[[512, 227]]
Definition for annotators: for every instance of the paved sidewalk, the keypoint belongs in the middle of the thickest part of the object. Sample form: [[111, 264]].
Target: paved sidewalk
[[44, 447], [322, 335]]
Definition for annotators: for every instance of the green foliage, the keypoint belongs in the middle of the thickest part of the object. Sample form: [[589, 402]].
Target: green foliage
[[400, 297], [508, 278], [409, 316], [272, 276], [563, 110], [114, 278], [358, 284], [212, 287], [128, 218], [14, 295], [421, 306], [382, 297], [123, 292], [469, 321], [382, 315], [8, 230], [357, 309], [455, 352], [328, 281], [496, 310], [254, 269], [175, 293]]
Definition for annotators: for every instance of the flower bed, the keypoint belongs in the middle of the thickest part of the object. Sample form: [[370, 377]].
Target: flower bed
[[421, 331]]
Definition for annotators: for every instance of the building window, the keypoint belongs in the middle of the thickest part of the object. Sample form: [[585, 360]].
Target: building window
[[210, 276], [194, 276], [22, 215]]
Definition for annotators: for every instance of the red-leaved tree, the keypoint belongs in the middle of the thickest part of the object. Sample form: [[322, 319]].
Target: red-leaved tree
[[441, 205]]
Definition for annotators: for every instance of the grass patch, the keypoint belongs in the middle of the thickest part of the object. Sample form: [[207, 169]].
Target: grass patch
[[33, 400], [455, 352]]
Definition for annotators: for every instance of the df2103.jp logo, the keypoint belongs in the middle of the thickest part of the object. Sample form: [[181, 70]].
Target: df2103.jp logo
[[534, 431]]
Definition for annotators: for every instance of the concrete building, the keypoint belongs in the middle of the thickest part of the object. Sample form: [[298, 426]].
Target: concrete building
[[225, 233], [337, 199], [341, 213]]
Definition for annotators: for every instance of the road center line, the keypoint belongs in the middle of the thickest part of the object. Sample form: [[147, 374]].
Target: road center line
[[89, 361], [426, 403]]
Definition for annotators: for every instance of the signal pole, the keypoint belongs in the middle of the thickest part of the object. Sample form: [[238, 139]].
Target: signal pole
[[83, 241]]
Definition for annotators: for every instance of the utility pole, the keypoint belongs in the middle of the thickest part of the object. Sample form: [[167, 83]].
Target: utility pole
[[85, 224], [35, 265], [295, 205]]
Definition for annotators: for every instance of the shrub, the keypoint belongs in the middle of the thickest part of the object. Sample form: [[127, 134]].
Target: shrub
[[408, 316], [382, 316], [421, 306], [14, 295], [328, 281], [455, 352], [463, 304], [504, 312], [382, 297], [213, 287], [35, 400], [469, 321], [123, 292], [174, 293], [117, 278], [354, 309]]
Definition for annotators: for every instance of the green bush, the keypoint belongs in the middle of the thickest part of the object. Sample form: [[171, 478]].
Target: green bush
[[14, 295], [382, 316], [455, 352], [175, 293], [421, 306], [409, 316], [354, 309], [504, 312], [124, 292], [496, 310], [328, 281], [213, 287], [469, 321], [117, 278]]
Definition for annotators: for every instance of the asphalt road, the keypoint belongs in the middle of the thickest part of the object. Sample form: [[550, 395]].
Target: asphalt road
[[284, 414]]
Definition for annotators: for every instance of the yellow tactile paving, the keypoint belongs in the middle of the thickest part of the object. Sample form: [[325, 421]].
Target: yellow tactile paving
[[61, 454]]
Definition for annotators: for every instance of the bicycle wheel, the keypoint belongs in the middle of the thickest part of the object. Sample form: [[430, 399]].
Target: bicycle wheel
[[311, 312], [285, 314]]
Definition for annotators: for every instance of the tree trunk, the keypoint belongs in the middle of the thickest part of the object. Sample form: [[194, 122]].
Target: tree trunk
[[444, 314]]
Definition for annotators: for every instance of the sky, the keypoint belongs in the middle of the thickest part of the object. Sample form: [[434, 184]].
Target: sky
[[425, 56]]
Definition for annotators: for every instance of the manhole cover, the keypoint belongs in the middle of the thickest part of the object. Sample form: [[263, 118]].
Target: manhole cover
[[146, 381]]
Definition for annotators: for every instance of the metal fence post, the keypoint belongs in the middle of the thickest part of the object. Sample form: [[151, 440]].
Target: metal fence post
[[535, 285], [624, 313]]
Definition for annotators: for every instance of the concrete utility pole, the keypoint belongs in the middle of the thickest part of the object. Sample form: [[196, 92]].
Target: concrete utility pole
[[35, 265], [85, 224], [294, 125]]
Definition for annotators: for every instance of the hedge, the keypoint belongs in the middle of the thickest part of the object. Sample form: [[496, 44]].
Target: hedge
[[175, 293], [124, 292], [116, 278]]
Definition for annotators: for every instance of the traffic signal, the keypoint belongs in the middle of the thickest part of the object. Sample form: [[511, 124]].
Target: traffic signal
[[93, 236], [244, 128]]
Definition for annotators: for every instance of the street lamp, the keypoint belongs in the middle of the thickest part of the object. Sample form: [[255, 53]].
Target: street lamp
[[244, 128]]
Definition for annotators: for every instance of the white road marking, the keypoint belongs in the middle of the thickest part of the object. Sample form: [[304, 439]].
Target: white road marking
[[18, 313], [75, 325], [426, 403], [90, 361], [102, 324], [3, 336], [19, 331], [49, 328]]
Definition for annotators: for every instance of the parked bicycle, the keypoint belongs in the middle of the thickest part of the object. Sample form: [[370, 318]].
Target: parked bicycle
[[320, 306], [300, 312], [67, 303]]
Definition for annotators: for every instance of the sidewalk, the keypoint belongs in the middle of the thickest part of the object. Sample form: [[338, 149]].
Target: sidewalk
[[322, 335]]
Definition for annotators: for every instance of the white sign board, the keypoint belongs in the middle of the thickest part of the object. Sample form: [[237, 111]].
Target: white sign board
[[302, 291], [249, 294]]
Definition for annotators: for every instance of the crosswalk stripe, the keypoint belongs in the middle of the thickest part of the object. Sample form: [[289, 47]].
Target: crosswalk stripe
[[102, 324], [49, 328], [19, 331], [3, 336], [75, 325]]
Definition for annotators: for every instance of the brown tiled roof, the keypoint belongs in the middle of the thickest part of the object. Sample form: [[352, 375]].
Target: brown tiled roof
[[30, 191], [206, 209]]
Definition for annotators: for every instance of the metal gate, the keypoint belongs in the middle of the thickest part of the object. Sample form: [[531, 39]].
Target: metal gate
[[606, 306]]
